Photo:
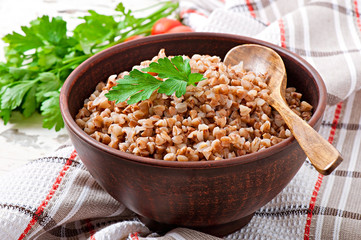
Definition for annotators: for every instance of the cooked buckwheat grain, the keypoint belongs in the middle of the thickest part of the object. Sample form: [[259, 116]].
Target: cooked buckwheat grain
[[224, 116]]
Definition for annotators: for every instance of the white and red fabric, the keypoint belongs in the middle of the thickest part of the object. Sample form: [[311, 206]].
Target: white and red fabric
[[55, 197]]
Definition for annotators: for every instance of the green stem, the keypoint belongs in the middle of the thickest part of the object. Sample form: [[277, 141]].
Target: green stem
[[71, 63], [168, 6], [145, 28], [81, 57]]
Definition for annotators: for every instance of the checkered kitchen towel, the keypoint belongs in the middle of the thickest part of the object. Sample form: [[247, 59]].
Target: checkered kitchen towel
[[55, 197]]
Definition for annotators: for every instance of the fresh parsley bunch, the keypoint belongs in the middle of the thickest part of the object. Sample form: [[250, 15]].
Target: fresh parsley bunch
[[139, 85], [39, 59]]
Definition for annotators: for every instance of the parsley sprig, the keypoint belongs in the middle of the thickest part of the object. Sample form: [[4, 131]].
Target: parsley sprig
[[139, 85], [39, 59]]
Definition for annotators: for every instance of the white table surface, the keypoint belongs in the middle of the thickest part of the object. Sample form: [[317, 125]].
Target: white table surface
[[24, 140]]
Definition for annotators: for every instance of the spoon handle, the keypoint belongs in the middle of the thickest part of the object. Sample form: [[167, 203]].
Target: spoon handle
[[323, 156]]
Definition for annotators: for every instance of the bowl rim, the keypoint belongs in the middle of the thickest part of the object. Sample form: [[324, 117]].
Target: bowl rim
[[76, 130]]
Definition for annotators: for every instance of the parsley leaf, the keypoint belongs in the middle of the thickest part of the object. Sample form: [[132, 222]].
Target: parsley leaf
[[5, 114], [53, 31], [194, 78], [47, 82], [137, 86], [50, 110], [41, 32], [96, 29], [175, 68], [128, 20], [170, 86], [29, 104], [13, 95]]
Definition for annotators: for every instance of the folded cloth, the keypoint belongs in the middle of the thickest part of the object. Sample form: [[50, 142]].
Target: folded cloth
[[55, 197]]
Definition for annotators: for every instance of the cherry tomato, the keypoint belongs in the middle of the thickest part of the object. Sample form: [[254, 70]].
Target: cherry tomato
[[179, 29], [163, 25], [133, 38]]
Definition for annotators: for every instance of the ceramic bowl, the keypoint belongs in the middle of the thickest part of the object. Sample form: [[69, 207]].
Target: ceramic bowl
[[217, 197]]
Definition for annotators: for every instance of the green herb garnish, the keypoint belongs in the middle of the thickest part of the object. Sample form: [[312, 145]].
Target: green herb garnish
[[39, 59], [139, 85]]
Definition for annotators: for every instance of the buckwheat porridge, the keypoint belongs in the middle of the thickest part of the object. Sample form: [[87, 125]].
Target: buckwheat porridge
[[224, 116]]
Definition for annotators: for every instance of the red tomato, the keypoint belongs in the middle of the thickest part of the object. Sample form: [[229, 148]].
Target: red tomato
[[163, 25], [179, 29], [133, 38]]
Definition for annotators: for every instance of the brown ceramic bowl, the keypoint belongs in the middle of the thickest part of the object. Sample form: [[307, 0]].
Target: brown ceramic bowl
[[217, 197]]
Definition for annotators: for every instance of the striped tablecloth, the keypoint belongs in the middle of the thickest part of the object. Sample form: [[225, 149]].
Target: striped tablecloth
[[54, 197]]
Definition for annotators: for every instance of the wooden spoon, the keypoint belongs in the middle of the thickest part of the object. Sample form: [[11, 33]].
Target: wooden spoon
[[259, 59]]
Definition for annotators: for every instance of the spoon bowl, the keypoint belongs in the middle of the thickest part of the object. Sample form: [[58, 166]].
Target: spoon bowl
[[260, 59]]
